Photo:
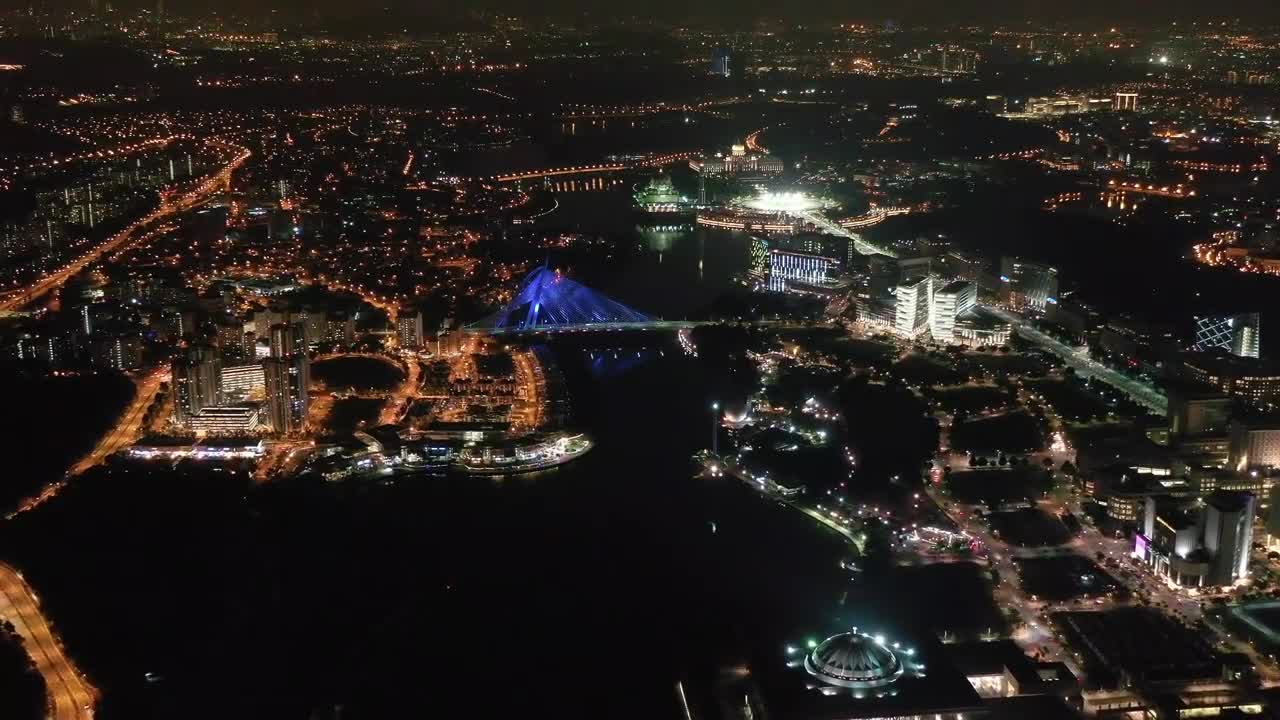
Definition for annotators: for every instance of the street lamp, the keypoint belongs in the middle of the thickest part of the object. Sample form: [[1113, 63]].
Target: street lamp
[[715, 423]]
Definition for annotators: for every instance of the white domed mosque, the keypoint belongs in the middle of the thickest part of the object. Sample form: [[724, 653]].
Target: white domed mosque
[[859, 675], [854, 660]]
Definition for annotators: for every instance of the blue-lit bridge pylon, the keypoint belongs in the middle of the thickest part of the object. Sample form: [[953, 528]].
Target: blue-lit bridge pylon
[[548, 301]]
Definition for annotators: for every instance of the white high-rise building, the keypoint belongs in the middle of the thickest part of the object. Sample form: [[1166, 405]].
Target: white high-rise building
[[1228, 535], [950, 302], [911, 316]]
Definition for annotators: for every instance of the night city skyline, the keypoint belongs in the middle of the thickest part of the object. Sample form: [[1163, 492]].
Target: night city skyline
[[725, 361]]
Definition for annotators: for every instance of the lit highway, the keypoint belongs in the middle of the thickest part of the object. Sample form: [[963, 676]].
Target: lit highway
[[1085, 366], [70, 694], [169, 205], [125, 432], [130, 426]]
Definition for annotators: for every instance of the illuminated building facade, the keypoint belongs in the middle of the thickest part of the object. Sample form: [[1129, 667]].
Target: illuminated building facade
[[749, 164], [1126, 102], [720, 62], [949, 303], [979, 331], [1066, 105], [1228, 535], [1199, 546], [1032, 286], [911, 316], [241, 379], [1254, 381], [409, 331], [1255, 445], [225, 420], [789, 269], [1240, 335]]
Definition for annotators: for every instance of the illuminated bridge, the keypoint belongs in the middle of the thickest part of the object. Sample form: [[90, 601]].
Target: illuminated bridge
[[548, 300], [655, 161]]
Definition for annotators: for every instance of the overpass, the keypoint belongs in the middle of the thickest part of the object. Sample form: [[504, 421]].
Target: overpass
[[872, 217], [860, 243]]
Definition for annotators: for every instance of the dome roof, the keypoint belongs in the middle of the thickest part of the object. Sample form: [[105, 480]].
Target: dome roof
[[853, 660]]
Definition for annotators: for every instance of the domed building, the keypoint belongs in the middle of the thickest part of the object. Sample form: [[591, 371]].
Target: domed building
[[853, 660]]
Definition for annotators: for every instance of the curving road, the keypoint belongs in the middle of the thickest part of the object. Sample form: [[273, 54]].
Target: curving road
[[70, 694], [1084, 365], [125, 432], [130, 426]]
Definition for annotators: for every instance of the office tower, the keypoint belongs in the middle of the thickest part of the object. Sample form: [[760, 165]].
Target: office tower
[[1193, 412], [1253, 380], [911, 311], [409, 329], [964, 265], [1196, 545], [1032, 286], [720, 59], [1228, 535], [1240, 334], [1255, 444], [949, 303], [1126, 102], [197, 382]]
